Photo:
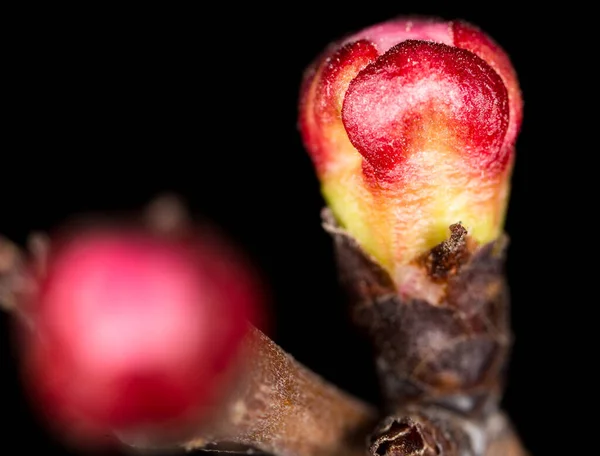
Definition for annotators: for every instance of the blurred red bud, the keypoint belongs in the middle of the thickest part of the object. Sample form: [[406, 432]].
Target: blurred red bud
[[135, 332]]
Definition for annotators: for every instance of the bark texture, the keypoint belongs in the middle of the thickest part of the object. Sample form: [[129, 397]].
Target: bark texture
[[441, 339], [280, 407]]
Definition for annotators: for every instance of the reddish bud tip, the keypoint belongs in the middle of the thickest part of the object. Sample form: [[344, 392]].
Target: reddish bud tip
[[422, 95], [469, 37], [134, 332]]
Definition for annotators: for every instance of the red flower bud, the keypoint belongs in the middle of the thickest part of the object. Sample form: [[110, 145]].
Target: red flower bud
[[135, 332], [411, 125]]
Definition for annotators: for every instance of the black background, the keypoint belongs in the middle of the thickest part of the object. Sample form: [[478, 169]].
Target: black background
[[107, 108]]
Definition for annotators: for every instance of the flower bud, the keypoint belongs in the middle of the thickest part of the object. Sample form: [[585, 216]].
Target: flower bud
[[135, 332], [411, 125]]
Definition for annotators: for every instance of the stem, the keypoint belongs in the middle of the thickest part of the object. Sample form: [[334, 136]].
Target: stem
[[283, 408]]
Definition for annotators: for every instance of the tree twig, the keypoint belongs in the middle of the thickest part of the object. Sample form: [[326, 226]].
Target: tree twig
[[283, 408]]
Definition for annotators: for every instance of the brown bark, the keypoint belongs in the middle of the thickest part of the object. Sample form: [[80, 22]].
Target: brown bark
[[443, 335], [283, 408], [441, 339], [432, 431]]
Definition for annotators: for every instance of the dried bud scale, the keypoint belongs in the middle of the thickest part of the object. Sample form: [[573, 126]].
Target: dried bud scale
[[431, 431]]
